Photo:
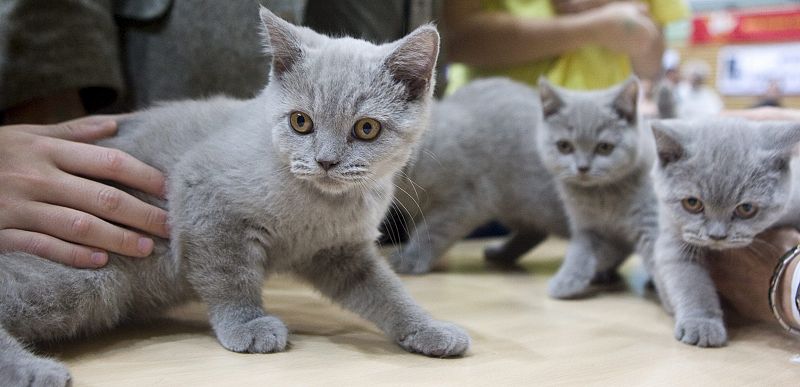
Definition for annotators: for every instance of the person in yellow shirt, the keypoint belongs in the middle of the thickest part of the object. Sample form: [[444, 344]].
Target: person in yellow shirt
[[578, 44]]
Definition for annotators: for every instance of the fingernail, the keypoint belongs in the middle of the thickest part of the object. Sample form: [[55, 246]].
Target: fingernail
[[145, 246], [99, 258]]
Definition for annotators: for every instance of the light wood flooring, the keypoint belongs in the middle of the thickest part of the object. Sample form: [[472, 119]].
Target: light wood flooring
[[520, 337]]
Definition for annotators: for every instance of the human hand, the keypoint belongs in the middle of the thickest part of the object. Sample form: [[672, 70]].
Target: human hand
[[625, 27], [742, 276], [563, 7], [49, 207]]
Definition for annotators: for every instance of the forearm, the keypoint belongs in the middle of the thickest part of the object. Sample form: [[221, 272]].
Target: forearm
[[499, 39], [648, 64]]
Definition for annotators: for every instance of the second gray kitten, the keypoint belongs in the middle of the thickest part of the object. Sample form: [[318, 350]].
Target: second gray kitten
[[294, 180], [720, 183], [600, 156], [478, 162]]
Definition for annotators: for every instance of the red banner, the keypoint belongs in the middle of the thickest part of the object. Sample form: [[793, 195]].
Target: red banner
[[778, 25]]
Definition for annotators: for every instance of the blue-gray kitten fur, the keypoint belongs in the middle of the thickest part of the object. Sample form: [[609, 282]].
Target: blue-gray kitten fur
[[248, 196], [720, 182], [600, 156], [478, 162]]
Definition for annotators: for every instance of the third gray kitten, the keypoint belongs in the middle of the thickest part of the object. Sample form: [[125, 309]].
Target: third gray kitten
[[478, 162], [720, 183], [600, 156], [294, 180]]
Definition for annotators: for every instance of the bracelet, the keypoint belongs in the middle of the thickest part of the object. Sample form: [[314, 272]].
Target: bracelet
[[780, 269], [795, 285]]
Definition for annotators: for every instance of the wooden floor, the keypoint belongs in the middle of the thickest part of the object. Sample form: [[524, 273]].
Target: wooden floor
[[520, 337]]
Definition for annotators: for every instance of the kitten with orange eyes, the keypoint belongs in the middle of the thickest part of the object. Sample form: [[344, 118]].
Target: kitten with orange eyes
[[295, 180], [720, 182]]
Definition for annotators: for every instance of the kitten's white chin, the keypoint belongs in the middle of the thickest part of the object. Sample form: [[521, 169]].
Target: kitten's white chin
[[332, 186], [717, 245]]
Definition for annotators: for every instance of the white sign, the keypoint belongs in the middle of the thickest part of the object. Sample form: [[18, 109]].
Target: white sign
[[748, 70]]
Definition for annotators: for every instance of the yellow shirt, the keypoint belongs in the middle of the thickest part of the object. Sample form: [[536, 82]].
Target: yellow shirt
[[590, 67]]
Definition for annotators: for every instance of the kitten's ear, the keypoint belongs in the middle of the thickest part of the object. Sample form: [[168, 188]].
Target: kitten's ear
[[627, 99], [413, 61], [780, 138], [668, 143], [281, 41], [550, 98]]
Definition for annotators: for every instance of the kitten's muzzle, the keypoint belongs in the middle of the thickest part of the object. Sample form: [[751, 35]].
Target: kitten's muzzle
[[326, 165]]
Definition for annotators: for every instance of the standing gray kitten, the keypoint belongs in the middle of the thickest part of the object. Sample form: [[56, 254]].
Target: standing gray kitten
[[600, 156], [478, 162], [295, 180], [720, 182]]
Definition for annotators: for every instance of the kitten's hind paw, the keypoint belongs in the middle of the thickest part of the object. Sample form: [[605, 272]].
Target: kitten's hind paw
[[702, 332], [265, 334], [438, 339], [568, 287], [34, 372], [409, 263]]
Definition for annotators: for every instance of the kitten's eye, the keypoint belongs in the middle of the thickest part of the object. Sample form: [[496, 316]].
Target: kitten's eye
[[692, 205], [746, 210], [366, 129], [301, 122], [604, 148], [564, 147]]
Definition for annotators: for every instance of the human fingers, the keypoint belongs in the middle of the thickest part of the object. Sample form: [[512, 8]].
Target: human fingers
[[107, 163], [51, 248], [79, 227], [109, 203], [87, 129]]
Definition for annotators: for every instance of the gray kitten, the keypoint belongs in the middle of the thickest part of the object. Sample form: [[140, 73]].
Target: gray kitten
[[295, 180], [720, 182], [478, 162], [600, 156]]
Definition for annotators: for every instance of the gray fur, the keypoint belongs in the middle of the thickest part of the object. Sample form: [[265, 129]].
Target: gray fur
[[478, 162], [611, 205], [246, 199], [723, 163]]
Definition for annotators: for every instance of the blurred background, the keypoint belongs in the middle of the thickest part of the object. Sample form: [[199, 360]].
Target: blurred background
[[749, 50]]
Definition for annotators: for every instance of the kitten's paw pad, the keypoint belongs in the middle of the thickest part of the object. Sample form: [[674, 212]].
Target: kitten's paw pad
[[263, 335], [403, 264], [702, 332], [35, 372], [439, 339], [566, 287]]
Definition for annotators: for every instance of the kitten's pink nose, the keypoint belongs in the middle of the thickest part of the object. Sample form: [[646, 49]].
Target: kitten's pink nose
[[327, 164]]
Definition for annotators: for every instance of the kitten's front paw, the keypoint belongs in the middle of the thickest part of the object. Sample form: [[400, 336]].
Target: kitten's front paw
[[263, 335], [438, 339], [702, 332], [34, 372], [568, 286], [409, 263]]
